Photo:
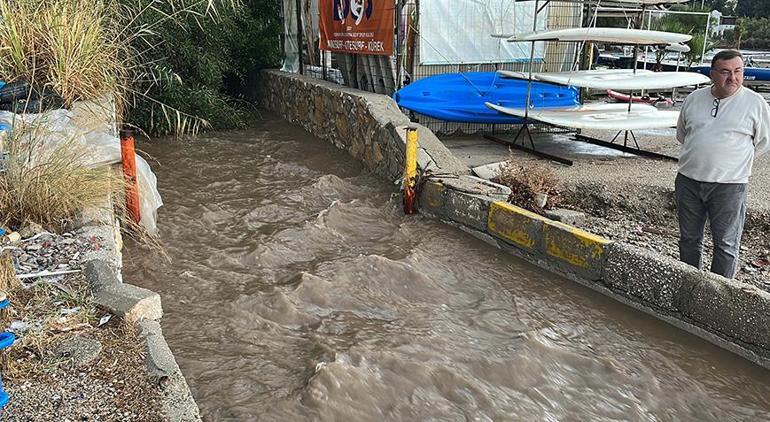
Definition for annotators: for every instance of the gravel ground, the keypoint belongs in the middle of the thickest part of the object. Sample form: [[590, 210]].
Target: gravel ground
[[114, 387], [71, 361], [630, 199]]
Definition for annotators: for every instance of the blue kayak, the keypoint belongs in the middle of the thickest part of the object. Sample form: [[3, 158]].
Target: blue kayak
[[752, 75], [460, 97]]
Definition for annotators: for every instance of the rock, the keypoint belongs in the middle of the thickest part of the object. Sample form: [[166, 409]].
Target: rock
[[30, 230], [80, 350], [571, 217]]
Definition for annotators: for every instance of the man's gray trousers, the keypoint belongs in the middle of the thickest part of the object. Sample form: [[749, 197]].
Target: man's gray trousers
[[724, 204]]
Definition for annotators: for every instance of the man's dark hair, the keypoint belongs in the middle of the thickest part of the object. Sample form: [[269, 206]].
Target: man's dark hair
[[726, 55]]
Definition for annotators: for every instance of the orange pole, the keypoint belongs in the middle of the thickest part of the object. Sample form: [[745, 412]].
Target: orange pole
[[128, 158]]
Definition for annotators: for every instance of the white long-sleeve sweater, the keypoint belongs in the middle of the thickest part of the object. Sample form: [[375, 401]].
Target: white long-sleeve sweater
[[722, 149]]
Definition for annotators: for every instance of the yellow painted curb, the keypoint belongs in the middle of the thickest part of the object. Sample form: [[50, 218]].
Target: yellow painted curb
[[433, 194], [573, 245], [514, 224]]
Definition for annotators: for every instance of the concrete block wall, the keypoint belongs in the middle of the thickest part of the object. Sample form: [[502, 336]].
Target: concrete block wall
[[371, 128], [102, 269]]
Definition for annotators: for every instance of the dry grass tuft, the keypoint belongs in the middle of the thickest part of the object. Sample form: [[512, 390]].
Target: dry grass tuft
[[47, 183], [41, 308], [527, 180], [75, 47], [8, 280]]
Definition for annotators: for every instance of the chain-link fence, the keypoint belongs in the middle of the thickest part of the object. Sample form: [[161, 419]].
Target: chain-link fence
[[386, 74]]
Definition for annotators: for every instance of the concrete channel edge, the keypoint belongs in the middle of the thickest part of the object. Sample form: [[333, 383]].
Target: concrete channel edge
[[731, 315], [137, 306]]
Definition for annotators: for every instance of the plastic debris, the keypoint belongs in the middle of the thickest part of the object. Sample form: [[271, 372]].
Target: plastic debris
[[103, 320]]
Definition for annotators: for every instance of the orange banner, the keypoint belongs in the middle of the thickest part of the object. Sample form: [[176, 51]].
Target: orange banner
[[357, 26]]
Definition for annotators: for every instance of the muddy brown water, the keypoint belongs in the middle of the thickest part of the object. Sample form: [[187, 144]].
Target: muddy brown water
[[299, 291]]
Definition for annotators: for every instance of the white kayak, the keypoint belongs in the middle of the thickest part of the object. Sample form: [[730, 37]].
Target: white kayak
[[601, 116], [616, 79], [607, 35]]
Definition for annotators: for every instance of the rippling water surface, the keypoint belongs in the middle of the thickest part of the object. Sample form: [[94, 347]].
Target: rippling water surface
[[299, 291]]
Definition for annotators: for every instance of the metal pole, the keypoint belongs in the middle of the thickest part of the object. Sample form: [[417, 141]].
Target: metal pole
[[410, 171], [128, 159], [299, 36], [284, 32], [531, 62], [646, 47], [416, 38], [673, 90], [705, 37], [399, 40], [323, 64]]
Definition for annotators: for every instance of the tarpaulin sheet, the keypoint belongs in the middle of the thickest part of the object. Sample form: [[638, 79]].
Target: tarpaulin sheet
[[290, 47], [460, 31]]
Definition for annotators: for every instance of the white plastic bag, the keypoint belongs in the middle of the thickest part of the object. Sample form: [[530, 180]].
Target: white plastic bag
[[91, 124]]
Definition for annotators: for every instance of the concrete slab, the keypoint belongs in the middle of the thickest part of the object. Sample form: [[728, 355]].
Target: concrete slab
[[516, 226], [432, 199], [571, 217], [132, 303], [476, 151], [735, 309], [575, 250], [641, 273], [468, 209]]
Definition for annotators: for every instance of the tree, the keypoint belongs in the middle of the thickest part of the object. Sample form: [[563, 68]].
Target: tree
[[753, 8], [205, 62], [739, 32]]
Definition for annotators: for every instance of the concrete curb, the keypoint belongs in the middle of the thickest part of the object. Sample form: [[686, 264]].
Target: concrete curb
[[731, 315], [138, 306], [726, 313], [178, 402]]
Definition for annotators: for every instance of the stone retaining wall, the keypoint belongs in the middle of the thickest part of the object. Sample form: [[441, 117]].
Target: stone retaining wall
[[370, 127]]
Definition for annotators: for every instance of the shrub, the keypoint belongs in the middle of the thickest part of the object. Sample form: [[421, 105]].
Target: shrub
[[48, 184], [205, 64], [181, 65], [527, 180], [76, 48]]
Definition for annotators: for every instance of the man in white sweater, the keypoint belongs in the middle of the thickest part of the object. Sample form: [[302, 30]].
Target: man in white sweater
[[722, 128]]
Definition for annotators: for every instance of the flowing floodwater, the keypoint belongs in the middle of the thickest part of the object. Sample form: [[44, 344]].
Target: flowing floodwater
[[299, 291]]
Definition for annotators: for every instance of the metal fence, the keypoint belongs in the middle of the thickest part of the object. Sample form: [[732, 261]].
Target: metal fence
[[558, 57]]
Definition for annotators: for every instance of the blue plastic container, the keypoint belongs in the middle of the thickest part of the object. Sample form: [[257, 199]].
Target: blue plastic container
[[6, 339]]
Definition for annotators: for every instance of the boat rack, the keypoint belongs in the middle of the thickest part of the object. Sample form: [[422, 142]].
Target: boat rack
[[625, 148], [514, 144], [578, 136]]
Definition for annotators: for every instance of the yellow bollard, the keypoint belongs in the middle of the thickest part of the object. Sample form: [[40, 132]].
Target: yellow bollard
[[410, 171]]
